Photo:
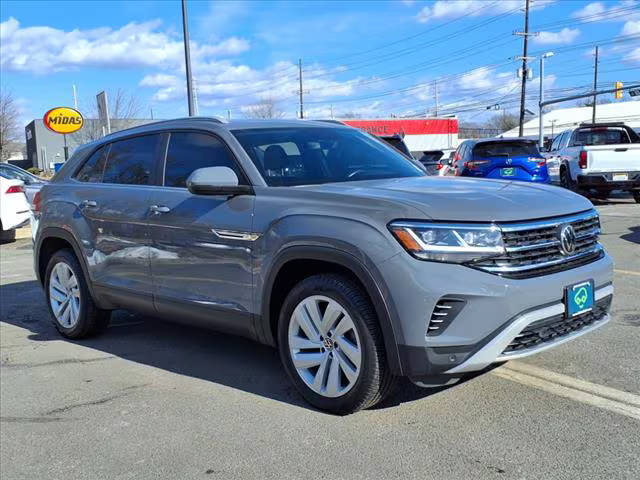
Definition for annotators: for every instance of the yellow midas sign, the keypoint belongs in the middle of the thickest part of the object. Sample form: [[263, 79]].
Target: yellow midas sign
[[63, 120]]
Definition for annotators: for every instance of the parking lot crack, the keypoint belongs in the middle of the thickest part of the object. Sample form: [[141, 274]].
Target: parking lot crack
[[123, 393], [63, 361]]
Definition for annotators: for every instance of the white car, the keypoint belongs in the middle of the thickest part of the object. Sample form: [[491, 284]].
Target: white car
[[14, 208], [596, 159]]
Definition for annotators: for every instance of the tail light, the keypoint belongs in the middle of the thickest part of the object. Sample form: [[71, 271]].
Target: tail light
[[541, 162], [476, 163], [439, 166], [582, 162], [35, 205], [15, 189]]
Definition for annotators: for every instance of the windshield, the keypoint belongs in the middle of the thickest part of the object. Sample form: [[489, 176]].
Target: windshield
[[506, 149], [309, 155], [601, 136]]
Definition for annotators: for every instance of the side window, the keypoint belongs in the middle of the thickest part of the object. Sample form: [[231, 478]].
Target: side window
[[189, 151], [131, 161], [93, 168], [564, 139]]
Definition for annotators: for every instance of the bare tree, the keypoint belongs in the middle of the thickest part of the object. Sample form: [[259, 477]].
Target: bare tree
[[267, 108], [9, 127], [503, 121], [124, 108]]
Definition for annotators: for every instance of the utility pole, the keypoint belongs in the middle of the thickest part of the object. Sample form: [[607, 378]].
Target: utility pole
[[228, 115], [301, 93], [595, 86], [151, 112], [435, 88], [541, 113], [196, 109], [523, 92], [331, 110], [75, 97], [187, 56]]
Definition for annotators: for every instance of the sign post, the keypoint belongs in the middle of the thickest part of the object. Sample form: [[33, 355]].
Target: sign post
[[103, 110]]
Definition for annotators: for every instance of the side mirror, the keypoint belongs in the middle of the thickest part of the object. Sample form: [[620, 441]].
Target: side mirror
[[216, 181]]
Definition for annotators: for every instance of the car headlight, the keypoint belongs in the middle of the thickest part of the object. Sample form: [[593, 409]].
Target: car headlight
[[455, 243]]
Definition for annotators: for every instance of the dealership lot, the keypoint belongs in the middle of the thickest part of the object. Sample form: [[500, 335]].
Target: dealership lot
[[155, 400]]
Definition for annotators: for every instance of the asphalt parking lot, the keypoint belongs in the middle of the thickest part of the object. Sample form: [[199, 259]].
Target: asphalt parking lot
[[156, 400]]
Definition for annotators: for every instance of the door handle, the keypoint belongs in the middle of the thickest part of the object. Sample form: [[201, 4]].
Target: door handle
[[89, 204], [157, 209]]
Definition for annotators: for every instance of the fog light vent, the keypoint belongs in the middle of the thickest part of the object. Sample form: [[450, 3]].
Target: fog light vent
[[443, 314]]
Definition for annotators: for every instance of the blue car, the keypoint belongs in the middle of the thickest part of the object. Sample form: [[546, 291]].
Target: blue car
[[501, 158]]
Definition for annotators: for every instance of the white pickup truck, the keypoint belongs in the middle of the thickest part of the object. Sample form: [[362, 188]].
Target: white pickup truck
[[596, 159]]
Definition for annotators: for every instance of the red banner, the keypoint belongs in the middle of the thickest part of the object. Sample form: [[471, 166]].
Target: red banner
[[408, 127]]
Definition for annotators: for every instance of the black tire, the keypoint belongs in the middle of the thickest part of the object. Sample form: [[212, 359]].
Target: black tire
[[565, 179], [636, 195], [7, 236], [91, 319], [375, 380]]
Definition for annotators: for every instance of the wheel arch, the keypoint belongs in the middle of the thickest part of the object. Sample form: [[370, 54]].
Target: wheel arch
[[51, 240], [309, 260]]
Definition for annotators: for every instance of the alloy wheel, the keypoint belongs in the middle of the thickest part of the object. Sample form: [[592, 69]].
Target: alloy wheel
[[324, 345], [64, 295]]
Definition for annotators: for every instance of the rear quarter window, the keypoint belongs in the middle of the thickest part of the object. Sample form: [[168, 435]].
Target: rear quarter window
[[93, 168]]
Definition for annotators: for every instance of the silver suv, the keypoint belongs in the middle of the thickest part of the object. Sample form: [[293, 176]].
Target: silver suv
[[324, 242]]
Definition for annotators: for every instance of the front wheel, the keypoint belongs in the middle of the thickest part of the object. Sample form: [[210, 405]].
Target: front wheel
[[331, 345]]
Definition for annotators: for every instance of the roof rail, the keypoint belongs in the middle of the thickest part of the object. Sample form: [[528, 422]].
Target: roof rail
[[602, 124], [160, 122]]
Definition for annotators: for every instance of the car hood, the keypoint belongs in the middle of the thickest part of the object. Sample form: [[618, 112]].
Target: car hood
[[466, 199]]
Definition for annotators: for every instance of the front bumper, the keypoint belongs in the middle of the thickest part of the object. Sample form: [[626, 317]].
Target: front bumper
[[605, 181], [494, 351], [496, 309]]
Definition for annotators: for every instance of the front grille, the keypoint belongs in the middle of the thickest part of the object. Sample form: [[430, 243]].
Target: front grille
[[554, 328], [533, 248], [443, 314]]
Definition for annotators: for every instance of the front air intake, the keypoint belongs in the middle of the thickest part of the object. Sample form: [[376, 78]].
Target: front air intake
[[443, 314]]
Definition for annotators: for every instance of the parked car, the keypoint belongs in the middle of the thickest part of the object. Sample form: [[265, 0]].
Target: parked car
[[596, 159], [431, 161], [321, 241], [397, 142], [31, 183], [501, 158], [14, 209]]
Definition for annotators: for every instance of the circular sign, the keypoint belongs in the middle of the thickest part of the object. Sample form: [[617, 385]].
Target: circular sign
[[63, 120]]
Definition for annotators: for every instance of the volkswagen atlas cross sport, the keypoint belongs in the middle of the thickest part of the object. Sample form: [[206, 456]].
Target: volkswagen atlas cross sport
[[324, 242]]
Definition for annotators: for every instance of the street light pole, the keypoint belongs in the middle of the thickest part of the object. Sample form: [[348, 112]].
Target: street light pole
[[541, 135], [187, 57]]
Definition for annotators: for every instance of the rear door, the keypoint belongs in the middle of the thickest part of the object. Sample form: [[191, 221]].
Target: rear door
[[201, 250], [112, 193]]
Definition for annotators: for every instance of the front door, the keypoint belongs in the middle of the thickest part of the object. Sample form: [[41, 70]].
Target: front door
[[201, 248]]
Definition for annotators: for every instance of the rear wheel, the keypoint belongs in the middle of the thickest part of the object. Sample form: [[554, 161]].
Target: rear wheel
[[331, 345], [565, 179], [72, 309], [636, 195]]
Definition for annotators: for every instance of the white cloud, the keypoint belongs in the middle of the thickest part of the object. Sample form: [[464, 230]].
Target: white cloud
[[632, 27], [453, 8], [632, 57], [564, 36], [44, 49], [598, 11]]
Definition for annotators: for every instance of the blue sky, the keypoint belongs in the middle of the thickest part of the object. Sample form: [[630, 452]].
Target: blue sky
[[360, 57]]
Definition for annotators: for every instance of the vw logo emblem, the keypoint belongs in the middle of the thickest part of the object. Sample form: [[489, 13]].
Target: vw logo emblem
[[567, 240], [509, 161]]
